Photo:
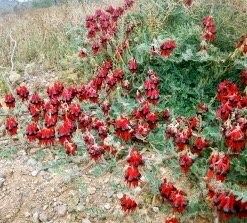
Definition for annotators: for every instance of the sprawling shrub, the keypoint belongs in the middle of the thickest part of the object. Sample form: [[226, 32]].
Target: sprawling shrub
[[168, 76]]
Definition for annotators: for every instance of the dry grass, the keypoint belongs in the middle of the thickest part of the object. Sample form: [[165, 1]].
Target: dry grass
[[42, 35]]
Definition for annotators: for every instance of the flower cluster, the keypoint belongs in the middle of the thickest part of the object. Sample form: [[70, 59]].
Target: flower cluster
[[227, 203], [185, 134], [102, 26], [231, 113], [177, 198], [219, 166], [151, 85], [132, 173], [128, 204], [209, 29], [167, 47], [172, 219]]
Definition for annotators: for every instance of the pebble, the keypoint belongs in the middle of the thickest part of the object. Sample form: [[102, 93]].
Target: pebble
[[86, 220], [14, 77], [34, 173], [80, 207], [36, 217], [91, 190], [107, 206], [119, 195], [43, 217], [156, 209], [109, 194], [61, 210], [2, 180]]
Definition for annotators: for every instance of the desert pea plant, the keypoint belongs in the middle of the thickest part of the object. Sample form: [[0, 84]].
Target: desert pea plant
[[162, 84]]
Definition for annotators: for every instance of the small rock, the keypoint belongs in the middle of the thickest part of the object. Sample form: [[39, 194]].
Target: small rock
[[107, 206], [2, 180], [109, 194], [27, 214], [91, 190], [36, 217], [85, 221], [156, 209], [80, 207], [34, 173], [31, 162], [14, 77], [119, 195], [61, 210], [43, 217]]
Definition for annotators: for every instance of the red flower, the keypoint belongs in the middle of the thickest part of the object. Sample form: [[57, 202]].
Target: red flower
[[91, 93], [50, 120], [133, 66], [11, 125], [128, 3], [175, 197], [51, 107], [74, 111], [95, 151], [88, 139], [225, 202], [228, 92], [55, 90], [199, 145], [70, 148], [171, 220], [236, 139], [32, 131], [35, 99], [193, 123], [202, 108], [85, 121], [96, 48], [185, 162], [178, 200], [209, 33], [118, 74], [82, 53], [23, 92], [166, 114], [110, 149], [243, 76], [65, 131], [182, 138], [9, 100], [167, 48], [46, 136], [103, 131], [123, 129], [132, 176], [142, 111], [188, 2], [34, 111], [151, 118], [219, 163], [166, 189], [153, 95], [141, 131], [68, 94], [106, 106], [135, 158], [128, 204], [224, 111]]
